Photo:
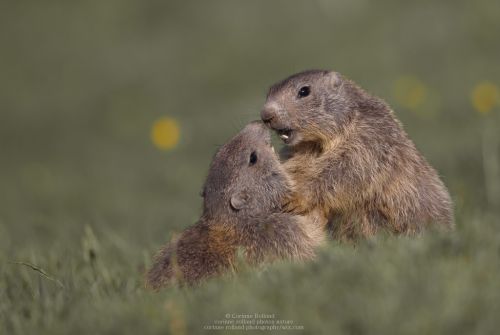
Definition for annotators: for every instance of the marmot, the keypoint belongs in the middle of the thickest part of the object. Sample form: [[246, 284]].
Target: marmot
[[349, 157], [242, 199]]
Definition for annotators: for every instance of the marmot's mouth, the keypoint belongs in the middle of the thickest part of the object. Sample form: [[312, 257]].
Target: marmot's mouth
[[285, 134]]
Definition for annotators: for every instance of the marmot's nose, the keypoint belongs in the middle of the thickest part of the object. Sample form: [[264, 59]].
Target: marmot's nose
[[267, 114]]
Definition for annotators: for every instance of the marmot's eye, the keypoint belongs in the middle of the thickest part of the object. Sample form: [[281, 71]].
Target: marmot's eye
[[304, 91], [253, 158]]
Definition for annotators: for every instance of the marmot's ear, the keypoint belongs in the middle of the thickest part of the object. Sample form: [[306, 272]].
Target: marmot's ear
[[239, 200], [334, 79]]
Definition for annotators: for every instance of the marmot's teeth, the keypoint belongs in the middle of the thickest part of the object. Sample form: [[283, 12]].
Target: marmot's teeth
[[283, 136], [272, 148]]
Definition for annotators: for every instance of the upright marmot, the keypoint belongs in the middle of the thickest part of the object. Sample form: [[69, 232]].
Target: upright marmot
[[242, 199], [350, 158]]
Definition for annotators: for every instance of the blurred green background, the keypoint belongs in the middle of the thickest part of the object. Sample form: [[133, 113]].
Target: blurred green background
[[88, 192]]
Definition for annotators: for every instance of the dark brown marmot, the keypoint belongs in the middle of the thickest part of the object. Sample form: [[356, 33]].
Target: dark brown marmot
[[349, 157], [243, 193]]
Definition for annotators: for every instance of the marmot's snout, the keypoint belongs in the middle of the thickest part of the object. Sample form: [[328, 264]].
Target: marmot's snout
[[274, 117], [268, 113], [258, 131]]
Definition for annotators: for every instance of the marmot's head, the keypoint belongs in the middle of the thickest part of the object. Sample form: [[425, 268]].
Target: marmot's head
[[308, 106], [245, 178]]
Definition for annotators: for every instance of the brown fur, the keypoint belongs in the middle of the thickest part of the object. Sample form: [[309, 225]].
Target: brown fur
[[241, 211], [350, 158]]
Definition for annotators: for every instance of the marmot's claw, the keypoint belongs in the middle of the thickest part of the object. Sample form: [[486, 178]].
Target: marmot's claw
[[293, 206]]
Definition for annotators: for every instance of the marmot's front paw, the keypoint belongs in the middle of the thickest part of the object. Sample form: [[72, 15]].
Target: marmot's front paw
[[295, 205]]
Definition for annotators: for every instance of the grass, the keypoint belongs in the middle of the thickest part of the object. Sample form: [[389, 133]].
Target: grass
[[436, 284]]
